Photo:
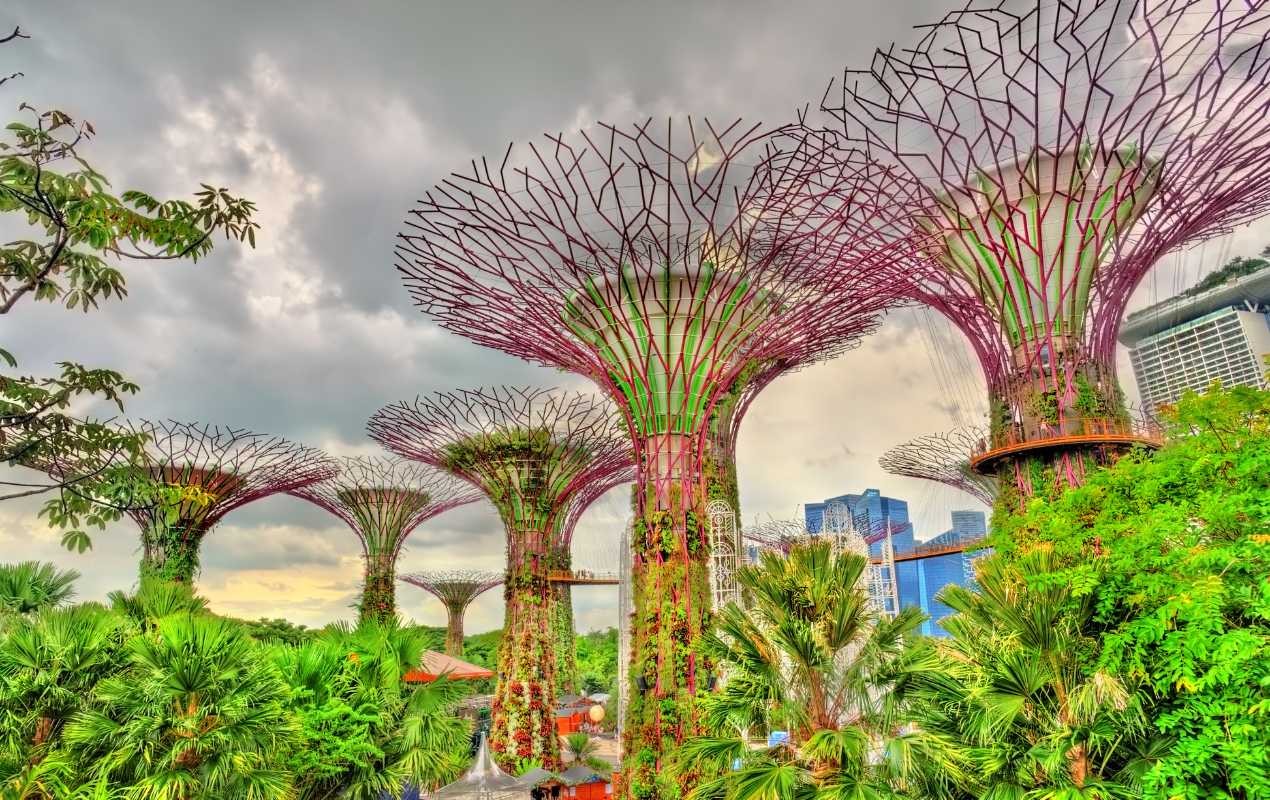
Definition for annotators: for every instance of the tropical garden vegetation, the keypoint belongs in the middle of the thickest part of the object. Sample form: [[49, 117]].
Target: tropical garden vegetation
[[1116, 645]]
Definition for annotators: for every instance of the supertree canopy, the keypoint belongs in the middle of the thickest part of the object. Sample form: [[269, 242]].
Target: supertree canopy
[[944, 458], [229, 467], [671, 264], [1053, 153], [383, 500], [456, 589], [532, 452]]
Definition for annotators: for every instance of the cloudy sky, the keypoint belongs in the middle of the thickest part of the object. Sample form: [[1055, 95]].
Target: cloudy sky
[[334, 121]]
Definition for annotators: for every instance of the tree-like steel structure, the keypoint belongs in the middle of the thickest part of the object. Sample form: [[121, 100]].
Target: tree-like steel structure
[[1053, 152], [672, 264], [533, 453], [944, 458], [228, 468], [456, 589], [563, 630], [383, 500]]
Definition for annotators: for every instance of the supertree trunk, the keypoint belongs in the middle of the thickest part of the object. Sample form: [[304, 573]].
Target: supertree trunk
[[454, 630], [671, 586], [523, 711], [379, 589], [171, 553], [562, 626]]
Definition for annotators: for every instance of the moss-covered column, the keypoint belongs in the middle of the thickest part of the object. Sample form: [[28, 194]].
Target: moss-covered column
[[562, 625], [379, 588], [454, 629], [523, 711], [671, 588], [171, 552]]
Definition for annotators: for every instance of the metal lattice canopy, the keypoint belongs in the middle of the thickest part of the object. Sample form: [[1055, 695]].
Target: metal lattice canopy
[[455, 588], [530, 451], [1051, 155], [231, 466], [661, 260], [384, 499], [944, 458]]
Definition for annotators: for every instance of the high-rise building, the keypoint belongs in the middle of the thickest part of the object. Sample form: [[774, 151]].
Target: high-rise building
[[1187, 342], [918, 580]]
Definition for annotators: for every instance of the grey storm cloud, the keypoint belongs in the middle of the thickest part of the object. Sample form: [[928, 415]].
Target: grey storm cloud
[[336, 119]]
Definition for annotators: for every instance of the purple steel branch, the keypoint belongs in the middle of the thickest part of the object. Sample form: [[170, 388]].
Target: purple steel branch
[[944, 458], [386, 499], [232, 465]]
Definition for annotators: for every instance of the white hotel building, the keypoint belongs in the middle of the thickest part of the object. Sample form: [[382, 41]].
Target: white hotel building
[[1189, 342]]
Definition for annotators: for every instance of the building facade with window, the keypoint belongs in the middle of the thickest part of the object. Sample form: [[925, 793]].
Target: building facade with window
[[1189, 341]]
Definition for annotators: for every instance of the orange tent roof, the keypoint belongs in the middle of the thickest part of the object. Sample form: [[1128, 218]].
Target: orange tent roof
[[433, 665]]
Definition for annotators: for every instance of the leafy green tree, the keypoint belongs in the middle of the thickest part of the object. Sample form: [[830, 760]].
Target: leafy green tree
[[812, 656], [364, 730], [75, 234], [597, 661], [197, 713], [34, 585], [1170, 554]]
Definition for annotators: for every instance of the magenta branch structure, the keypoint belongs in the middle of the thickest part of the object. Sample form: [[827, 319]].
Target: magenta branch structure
[[456, 589], [383, 500], [673, 263], [534, 453], [944, 458], [228, 468], [1052, 153]]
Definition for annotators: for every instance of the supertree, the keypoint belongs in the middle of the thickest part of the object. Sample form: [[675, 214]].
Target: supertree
[[456, 589], [563, 629], [532, 452], [1053, 152], [223, 468], [944, 458], [670, 264], [383, 500]]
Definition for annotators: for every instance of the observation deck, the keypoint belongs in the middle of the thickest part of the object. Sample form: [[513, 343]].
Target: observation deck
[[1093, 433], [932, 551], [583, 577]]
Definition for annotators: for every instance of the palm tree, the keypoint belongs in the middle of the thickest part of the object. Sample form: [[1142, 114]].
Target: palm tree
[[195, 714], [156, 599], [580, 747], [810, 654], [49, 663], [33, 585], [1018, 705]]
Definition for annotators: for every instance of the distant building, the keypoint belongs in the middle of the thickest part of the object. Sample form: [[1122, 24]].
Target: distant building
[[1189, 341], [918, 580]]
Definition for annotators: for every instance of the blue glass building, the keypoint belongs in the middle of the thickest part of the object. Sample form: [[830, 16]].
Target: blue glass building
[[918, 580]]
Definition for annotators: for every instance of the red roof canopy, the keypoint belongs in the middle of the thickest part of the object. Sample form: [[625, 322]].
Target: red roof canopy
[[433, 665]]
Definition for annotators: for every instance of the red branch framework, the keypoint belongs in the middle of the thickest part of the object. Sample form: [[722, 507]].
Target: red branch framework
[[944, 458], [383, 500], [534, 453], [231, 467], [1053, 155], [668, 264], [456, 589]]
